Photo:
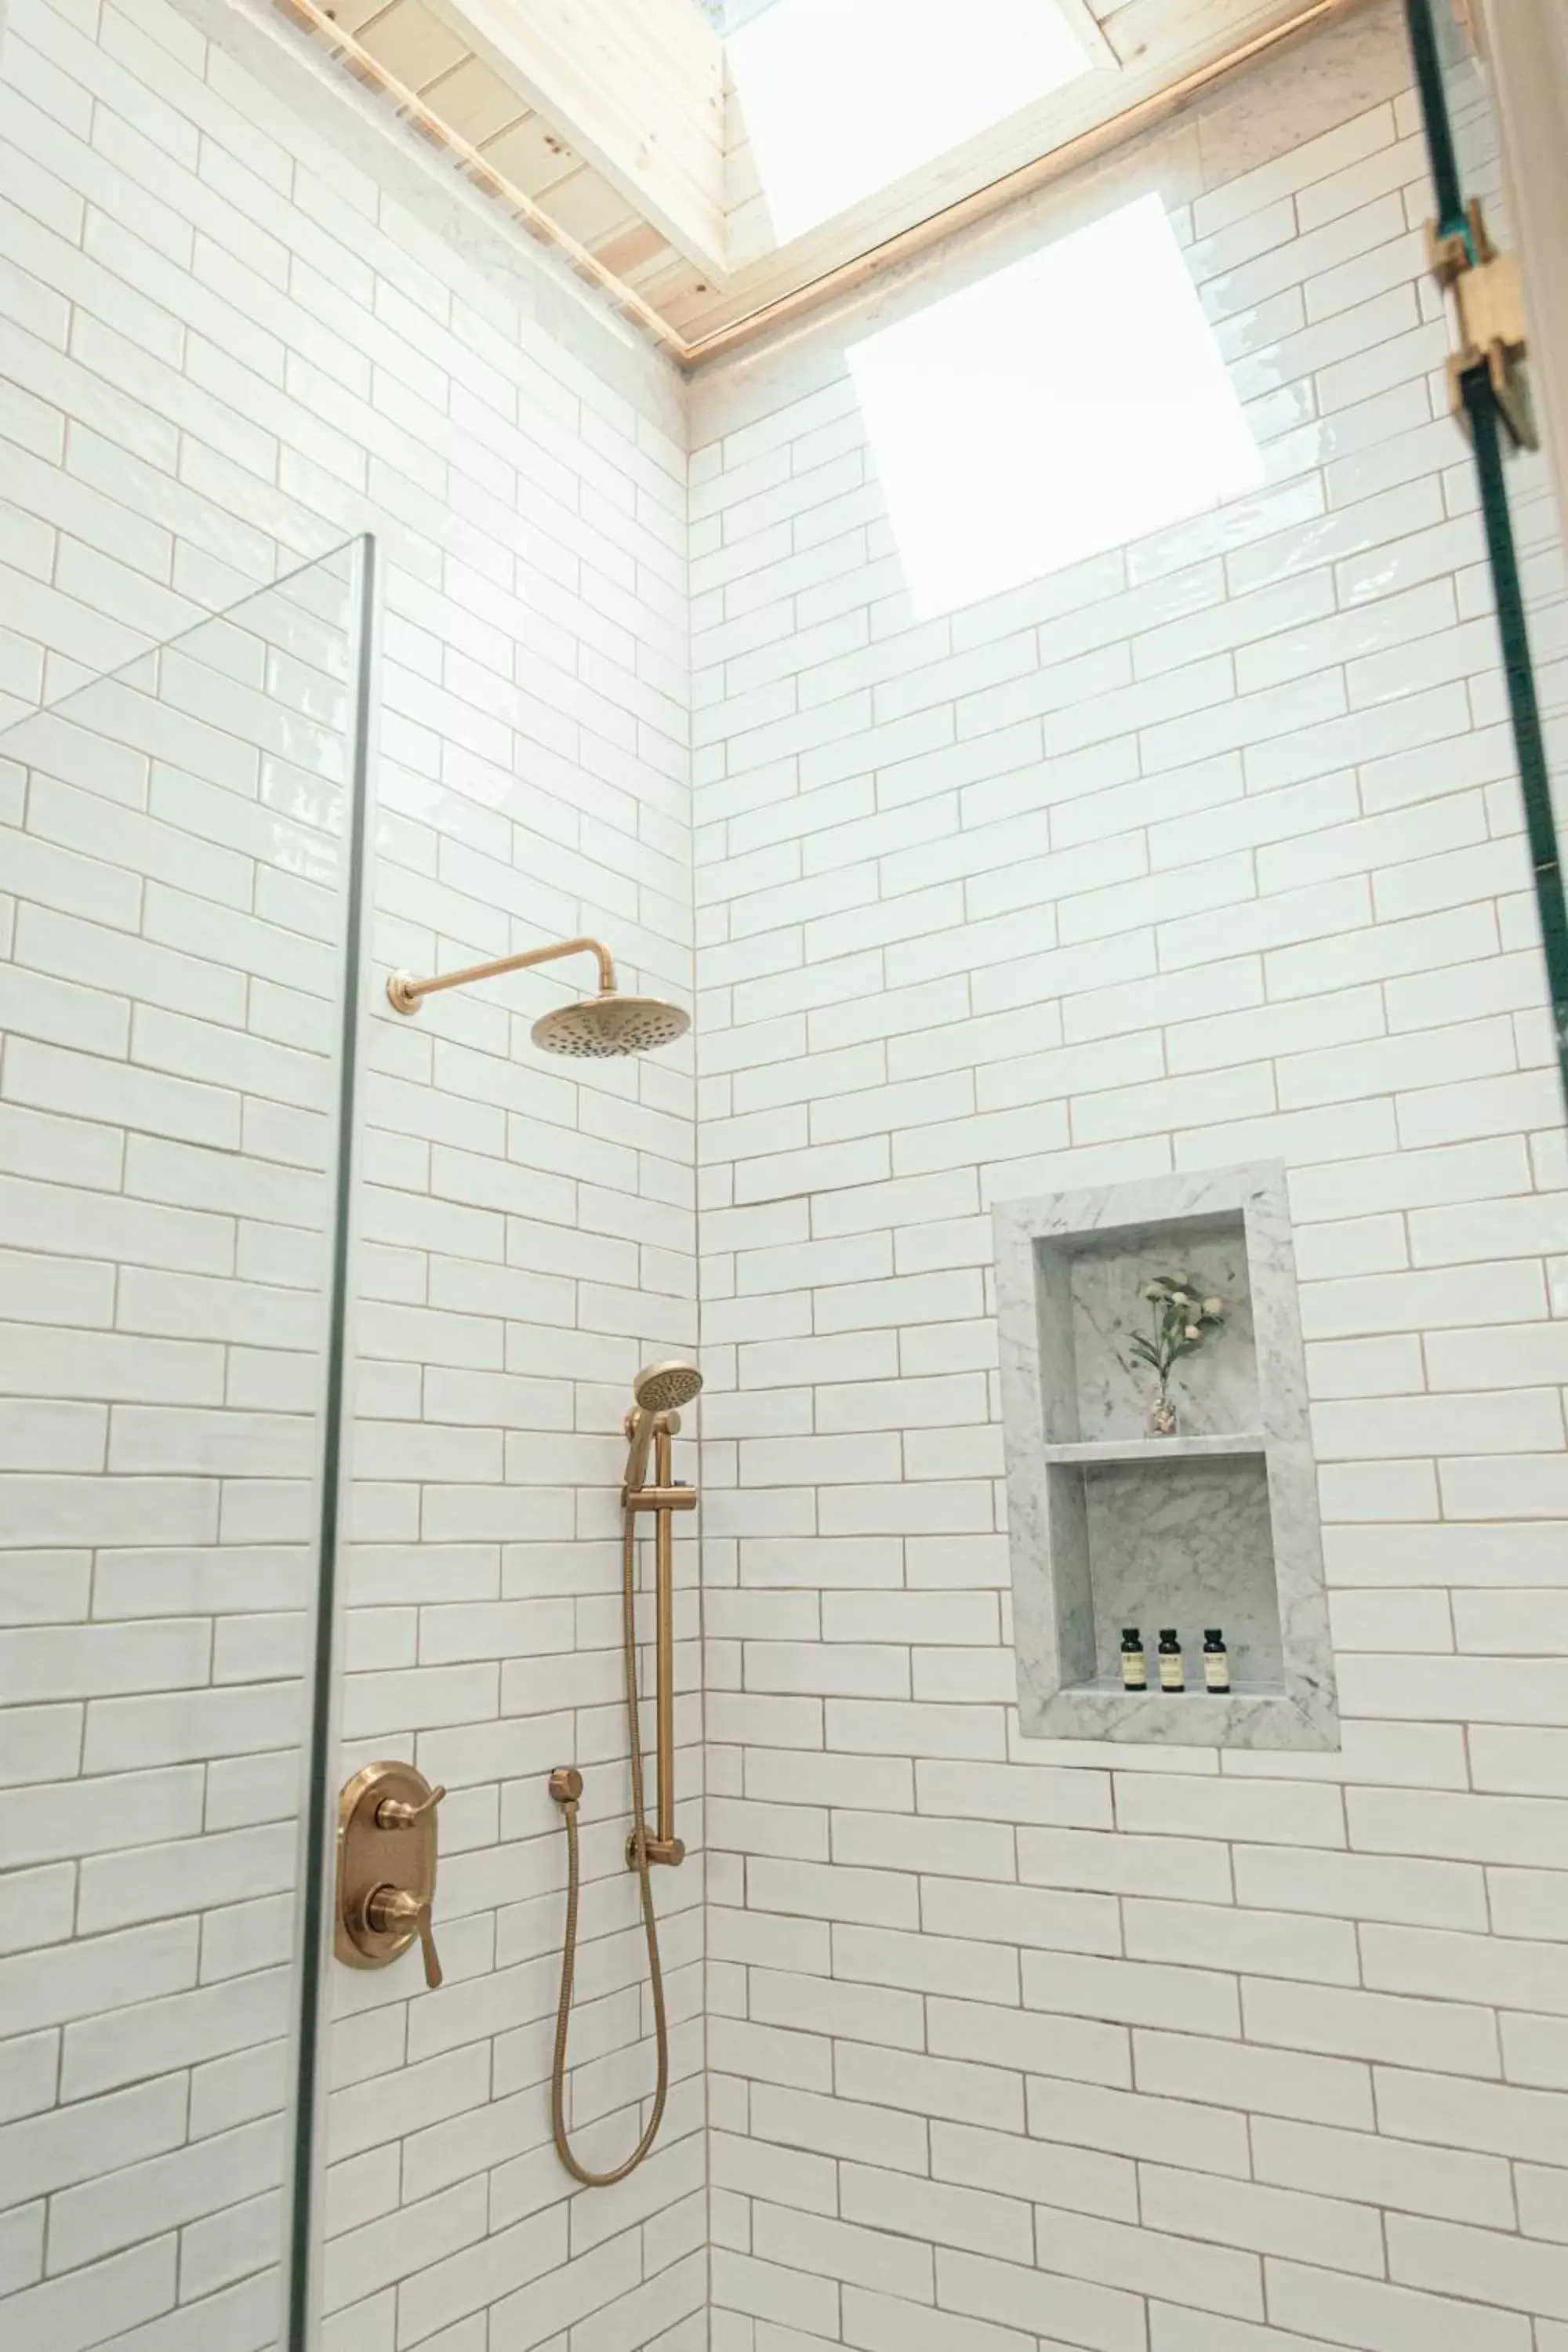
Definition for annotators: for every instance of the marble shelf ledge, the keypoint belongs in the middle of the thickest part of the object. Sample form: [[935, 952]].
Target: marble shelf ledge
[[1158, 1449], [1252, 1716], [1105, 1686]]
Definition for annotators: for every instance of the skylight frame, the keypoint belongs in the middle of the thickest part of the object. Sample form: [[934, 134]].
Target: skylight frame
[[784, 160]]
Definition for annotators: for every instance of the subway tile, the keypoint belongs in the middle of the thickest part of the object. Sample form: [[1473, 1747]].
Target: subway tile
[[1179, 1808], [1451, 2183], [1306, 2226], [1255, 2078], [1441, 2034], [1361, 1887], [1111, 2318], [1508, 2269], [73, 2312], [1132, 1992], [1053, 2048], [1252, 1941], [840, 2127], [1386, 2318]]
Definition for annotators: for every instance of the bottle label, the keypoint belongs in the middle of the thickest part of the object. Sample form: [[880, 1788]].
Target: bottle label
[[1134, 1670], [1173, 1673], [1216, 1670]]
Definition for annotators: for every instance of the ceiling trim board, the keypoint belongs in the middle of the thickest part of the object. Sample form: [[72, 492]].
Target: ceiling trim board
[[801, 303]]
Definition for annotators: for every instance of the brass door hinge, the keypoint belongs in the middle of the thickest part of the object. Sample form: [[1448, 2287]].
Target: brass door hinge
[[1489, 301]]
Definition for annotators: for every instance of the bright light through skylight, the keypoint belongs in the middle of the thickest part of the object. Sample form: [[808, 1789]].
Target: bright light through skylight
[[1066, 405], [842, 97]]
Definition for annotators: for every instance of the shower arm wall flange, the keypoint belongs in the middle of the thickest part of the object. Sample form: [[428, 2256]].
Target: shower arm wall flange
[[403, 992]]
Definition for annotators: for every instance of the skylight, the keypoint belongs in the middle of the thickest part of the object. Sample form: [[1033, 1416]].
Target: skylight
[[841, 97], [1068, 404]]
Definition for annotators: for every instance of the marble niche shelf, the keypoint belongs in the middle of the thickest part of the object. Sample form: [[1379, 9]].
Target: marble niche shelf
[[1110, 1527], [1157, 1449]]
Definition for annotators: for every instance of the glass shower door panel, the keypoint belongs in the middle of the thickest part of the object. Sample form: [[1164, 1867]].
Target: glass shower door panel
[[1514, 581], [174, 895]]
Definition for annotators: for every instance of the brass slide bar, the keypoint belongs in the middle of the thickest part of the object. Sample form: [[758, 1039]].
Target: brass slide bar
[[658, 1393], [666, 1846], [405, 994]]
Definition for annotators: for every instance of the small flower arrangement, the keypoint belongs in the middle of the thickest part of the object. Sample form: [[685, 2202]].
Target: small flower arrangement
[[1182, 1320]]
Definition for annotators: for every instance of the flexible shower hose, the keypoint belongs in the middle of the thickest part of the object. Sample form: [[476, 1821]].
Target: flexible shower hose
[[650, 1925]]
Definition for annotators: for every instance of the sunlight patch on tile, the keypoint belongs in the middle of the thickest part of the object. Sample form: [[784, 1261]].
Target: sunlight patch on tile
[[1066, 405]]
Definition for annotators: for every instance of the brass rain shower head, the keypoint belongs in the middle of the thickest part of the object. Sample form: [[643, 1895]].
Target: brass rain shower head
[[597, 1027]]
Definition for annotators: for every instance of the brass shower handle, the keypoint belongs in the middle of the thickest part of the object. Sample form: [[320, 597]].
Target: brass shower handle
[[396, 1813], [392, 1911]]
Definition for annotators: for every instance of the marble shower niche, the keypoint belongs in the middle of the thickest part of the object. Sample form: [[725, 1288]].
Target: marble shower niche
[[1110, 1526]]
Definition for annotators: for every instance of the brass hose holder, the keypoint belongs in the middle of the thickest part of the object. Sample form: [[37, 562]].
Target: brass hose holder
[[669, 1850], [566, 1788]]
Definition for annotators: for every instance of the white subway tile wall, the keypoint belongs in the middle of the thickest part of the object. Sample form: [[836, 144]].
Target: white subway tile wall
[[1206, 850], [241, 323]]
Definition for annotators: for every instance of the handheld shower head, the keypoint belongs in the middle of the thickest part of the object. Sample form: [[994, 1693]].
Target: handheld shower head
[[665, 1387], [657, 1388]]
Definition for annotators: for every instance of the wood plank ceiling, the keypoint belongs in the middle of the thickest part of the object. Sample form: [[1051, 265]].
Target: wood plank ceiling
[[615, 223]]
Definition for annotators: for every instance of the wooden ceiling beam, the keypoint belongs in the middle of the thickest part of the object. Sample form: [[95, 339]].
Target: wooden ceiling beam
[[636, 89]]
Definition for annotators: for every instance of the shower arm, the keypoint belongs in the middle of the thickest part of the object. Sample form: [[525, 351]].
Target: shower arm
[[405, 994]]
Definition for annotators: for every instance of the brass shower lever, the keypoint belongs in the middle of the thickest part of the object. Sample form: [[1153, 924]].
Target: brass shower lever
[[396, 1813], [391, 1911]]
